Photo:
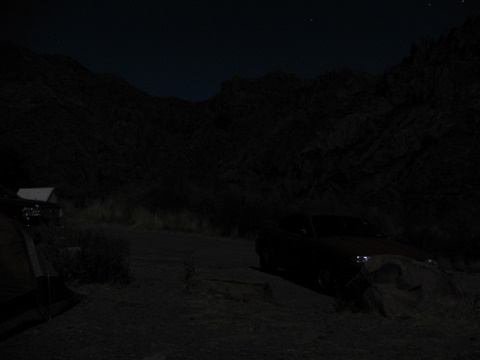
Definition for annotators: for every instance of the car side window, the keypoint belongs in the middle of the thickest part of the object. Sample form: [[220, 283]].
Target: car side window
[[296, 223], [343, 226], [329, 225]]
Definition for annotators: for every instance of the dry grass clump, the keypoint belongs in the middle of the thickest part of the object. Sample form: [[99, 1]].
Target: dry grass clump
[[108, 210], [182, 220], [226, 212]]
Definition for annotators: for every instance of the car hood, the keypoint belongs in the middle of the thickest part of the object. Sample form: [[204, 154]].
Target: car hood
[[368, 246]]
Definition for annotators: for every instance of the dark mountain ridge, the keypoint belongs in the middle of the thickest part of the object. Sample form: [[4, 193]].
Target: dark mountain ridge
[[404, 142]]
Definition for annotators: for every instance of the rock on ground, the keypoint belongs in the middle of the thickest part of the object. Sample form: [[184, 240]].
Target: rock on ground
[[396, 286]]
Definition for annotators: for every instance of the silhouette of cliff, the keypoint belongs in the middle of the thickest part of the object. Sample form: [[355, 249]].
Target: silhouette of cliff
[[405, 140]]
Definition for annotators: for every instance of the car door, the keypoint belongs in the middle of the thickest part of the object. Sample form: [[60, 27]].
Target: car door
[[285, 238], [305, 248], [297, 240], [330, 231]]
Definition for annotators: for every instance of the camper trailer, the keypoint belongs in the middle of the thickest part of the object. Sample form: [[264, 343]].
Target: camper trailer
[[30, 212]]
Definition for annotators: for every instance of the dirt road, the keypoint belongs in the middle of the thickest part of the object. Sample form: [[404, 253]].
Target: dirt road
[[171, 246], [227, 309]]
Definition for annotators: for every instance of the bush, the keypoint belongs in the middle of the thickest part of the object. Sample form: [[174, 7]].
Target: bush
[[109, 210], [237, 212], [209, 211], [88, 257], [182, 220]]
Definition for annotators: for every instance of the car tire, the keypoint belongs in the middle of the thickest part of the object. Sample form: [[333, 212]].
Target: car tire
[[327, 280], [266, 262]]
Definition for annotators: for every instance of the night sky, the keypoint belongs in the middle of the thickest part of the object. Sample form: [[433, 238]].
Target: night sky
[[187, 48]]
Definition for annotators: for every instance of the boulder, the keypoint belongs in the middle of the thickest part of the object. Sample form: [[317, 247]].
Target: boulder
[[396, 286]]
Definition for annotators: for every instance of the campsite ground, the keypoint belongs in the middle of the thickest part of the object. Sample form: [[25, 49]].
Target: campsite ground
[[228, 309]]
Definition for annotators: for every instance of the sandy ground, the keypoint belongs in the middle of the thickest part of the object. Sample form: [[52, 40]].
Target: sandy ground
[[232, 313]]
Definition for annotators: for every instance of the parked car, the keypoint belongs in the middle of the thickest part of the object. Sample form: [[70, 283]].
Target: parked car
[[29, 212], [331, 248]]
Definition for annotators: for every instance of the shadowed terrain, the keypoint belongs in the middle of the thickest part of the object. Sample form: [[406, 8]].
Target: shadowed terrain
[[400, 148], [194, 297]]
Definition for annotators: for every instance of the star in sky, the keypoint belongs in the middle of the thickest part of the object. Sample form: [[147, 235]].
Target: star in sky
[[187, 48]]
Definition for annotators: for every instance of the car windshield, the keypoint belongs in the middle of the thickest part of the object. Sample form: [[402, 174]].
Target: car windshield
[[344, 226], [7, 193]]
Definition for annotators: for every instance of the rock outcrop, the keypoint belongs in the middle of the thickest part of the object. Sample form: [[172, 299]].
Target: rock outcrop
[[405, 141], [395, 286], [67, 125]]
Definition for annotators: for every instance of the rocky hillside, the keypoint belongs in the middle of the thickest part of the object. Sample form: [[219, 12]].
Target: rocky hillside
[[404, 142], [62, 124]]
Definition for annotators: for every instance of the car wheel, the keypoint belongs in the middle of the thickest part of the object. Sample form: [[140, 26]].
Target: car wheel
[[266, 262], [326, 279]]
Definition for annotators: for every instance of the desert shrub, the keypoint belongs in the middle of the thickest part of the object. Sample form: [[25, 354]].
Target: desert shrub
[[146, 219], [167, 193], [228, 210], [109, 210], [181, 220], [88, 257], [200, 208], [238, 212]]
